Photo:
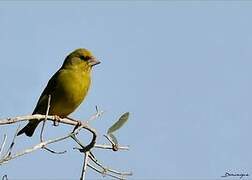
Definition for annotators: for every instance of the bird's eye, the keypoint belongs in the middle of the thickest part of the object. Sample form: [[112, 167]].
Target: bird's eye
[[85, 58]]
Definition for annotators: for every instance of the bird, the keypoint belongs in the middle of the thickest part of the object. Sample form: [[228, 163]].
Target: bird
[[67, 88]]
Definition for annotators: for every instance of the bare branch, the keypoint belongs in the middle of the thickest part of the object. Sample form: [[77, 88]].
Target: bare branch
[[29, 150], [84, 168], [46, 115], [109, 170], [104, 173], [79, 125], [114, 146], [35, 117], [5, 177], [105, 146], [8, 152], [43, 144], [3, 144]]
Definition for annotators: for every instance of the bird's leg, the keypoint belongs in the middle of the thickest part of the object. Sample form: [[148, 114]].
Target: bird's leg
[[56, 120]]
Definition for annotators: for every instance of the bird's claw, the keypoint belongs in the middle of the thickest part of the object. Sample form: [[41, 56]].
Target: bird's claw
[[56, 120]]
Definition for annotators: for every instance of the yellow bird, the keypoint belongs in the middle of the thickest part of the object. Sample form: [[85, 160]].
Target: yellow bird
[[67, 88]]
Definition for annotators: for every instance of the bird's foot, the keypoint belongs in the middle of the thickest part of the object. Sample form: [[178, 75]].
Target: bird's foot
[[56, 120]]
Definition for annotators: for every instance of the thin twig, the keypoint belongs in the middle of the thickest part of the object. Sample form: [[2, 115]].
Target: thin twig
[[103, 173], [36, 147], [107, 137], [3, 144], [84, 168], [54, 152], [93, 158], [29, 150], [114, 145], [8, 152], [5, 177], [46, 115], [106, 169], [78, 142], [105, 146], [119, 173]]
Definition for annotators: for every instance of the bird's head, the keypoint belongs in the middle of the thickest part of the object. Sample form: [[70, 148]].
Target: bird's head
[[80, 58]]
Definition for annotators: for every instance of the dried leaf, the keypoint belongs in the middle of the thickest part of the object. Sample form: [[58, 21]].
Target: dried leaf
[[122, 120]]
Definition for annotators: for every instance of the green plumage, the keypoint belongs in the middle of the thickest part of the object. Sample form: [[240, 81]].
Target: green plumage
[[67, 87]]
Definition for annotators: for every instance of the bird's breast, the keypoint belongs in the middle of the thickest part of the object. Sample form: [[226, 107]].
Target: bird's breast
[[71, 89]]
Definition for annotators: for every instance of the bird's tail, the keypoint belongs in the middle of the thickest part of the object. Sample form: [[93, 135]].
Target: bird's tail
[[29, 128]]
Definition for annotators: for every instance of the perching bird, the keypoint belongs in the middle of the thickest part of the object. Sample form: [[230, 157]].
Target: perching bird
[[67, 88]]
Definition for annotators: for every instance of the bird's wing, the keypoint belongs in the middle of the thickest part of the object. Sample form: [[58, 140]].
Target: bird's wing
[[43, 99]]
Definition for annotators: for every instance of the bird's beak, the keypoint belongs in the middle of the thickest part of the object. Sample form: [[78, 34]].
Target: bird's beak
[[93, 61]]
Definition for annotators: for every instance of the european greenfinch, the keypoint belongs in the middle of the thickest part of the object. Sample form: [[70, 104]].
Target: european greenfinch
[[67, 88]]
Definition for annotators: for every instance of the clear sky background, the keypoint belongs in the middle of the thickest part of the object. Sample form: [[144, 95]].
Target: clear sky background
[[183, 70]]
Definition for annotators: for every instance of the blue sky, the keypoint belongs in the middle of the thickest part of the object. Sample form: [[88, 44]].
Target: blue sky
[[183, 70]]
